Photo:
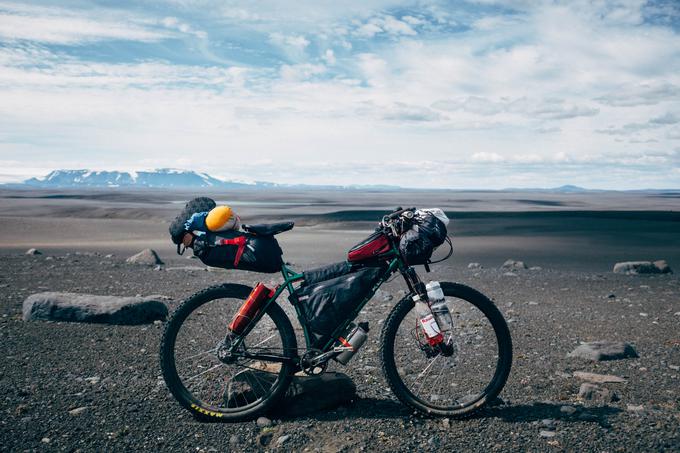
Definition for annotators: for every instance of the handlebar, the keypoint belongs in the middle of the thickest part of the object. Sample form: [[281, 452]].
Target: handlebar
[[398, 212]]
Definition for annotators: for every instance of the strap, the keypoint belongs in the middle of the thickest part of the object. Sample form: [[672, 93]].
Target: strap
[[239, 241]]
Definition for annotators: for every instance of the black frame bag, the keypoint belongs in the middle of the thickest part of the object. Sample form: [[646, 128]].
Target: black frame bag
[[239, 250], [325, 305]]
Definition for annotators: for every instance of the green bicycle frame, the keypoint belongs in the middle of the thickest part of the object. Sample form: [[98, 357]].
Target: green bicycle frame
[[290, 277]]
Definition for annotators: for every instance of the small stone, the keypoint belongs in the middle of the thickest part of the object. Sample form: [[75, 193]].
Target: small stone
[[474, 266], [635, 408], [548, 422], [282, 439], [45, 440], [547, 434], [263, 422], [510, 274], [568, 410], [674, 367], [77, 411], [531, 302], [446, 423], [535, 268], [33, 252], [593, 392], [234, 440], [512, 264], [110, 255], [93, 380], [383, 296]]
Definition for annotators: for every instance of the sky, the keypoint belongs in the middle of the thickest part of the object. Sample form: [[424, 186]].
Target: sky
[[441, 94]]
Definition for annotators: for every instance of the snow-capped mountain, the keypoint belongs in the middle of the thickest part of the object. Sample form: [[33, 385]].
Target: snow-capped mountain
[[161, 178]]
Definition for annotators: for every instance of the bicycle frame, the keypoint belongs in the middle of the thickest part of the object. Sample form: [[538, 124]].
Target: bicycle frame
[[396, 263]]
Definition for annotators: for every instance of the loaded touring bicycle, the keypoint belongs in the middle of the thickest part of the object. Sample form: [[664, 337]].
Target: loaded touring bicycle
[[229, 352]]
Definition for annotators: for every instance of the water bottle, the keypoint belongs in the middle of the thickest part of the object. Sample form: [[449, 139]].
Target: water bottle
[[427, 322], [440, 310], [354, 339]]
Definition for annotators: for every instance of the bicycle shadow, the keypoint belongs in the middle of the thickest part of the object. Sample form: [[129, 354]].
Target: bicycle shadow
[[373, 408]]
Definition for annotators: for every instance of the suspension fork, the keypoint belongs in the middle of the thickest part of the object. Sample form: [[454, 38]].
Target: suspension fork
[[415, 285]]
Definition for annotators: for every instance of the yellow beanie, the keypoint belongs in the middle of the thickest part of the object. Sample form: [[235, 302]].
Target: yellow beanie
[[222, 218]]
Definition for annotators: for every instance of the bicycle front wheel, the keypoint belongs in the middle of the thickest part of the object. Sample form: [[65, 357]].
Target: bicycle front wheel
[[214, 385], [454, 384]]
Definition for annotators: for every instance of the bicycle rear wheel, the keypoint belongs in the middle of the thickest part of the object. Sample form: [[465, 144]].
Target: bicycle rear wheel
[[455, 384], [231, 388]]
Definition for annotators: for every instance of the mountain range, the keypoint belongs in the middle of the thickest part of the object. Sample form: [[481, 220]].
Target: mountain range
[[169, 178], [166, 178]]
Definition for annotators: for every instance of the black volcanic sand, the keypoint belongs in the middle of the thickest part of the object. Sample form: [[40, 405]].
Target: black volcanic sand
[[113, 371]]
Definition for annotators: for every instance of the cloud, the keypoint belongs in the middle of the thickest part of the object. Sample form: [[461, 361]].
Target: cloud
[[60, 26], [387, 24], [642, 94], [631, 128], [411, 113], [547, 109]]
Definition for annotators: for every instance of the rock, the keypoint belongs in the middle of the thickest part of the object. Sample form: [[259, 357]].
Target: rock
[[663, 267], [93, 380], [548, 422], [510, 274], [642, 267], [512, 264], [535, 268], [547, 434], [146, 257], [264, 439], [568, 410], [53, 306], [45, 440], [33, 252], [474, 266], [604, 350], [599, 378], [234, 440], [110, 255], [593, 392], [638, 409], [383, 296], [263, 422], [306, 394], [77, 411], [282, 439]]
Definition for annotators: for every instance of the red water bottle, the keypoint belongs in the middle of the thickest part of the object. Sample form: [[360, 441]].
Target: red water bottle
[[250, 308]]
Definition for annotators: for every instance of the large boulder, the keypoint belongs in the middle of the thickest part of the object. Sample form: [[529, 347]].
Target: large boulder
[[642, 267], [604, 350], [53, 306], [306, 394], [146, 257]]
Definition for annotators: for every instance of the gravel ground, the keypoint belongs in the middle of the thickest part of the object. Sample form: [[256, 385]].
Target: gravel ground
[[86, 387]]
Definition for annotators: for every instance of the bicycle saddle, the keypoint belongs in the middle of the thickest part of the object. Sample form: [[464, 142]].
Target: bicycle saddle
[[269, 229]]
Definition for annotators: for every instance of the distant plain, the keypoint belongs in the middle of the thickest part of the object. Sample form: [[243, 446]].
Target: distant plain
[[587, 231]]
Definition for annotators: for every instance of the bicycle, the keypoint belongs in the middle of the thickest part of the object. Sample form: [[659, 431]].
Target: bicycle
[[222, 376]]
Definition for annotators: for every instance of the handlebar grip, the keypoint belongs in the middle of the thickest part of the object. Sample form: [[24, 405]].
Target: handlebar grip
[[398, 212]]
